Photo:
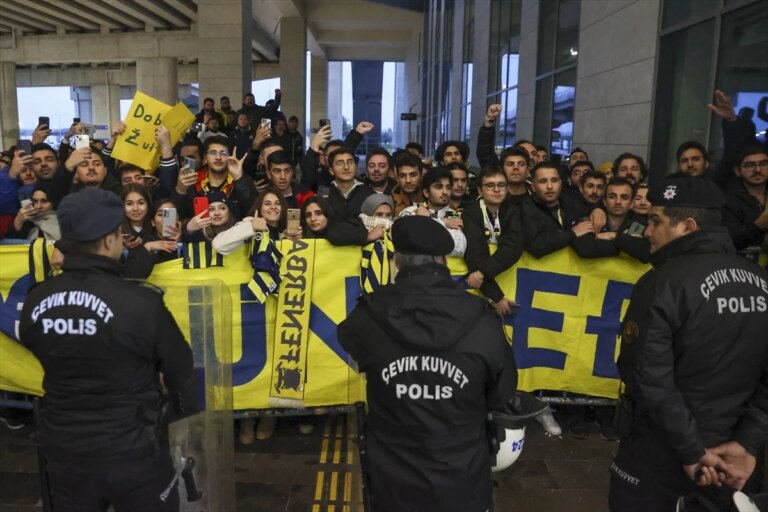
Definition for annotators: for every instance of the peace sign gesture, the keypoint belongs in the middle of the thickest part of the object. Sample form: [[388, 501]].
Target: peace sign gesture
[[235, 166]]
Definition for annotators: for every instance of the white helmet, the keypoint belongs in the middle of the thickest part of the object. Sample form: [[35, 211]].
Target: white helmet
[[507, 428], [510, 448]]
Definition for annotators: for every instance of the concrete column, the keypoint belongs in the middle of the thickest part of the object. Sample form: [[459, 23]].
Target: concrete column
[[9, 113], [614, 87], [293, 66], [526, 92], [224, 36], [105, 106], [319, 95], [157, 77]]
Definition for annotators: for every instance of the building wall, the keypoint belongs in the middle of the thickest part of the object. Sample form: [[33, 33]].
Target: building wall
[[615, 77]]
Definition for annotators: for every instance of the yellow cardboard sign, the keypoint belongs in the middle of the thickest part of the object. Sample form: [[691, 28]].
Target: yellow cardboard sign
[[137, 145]]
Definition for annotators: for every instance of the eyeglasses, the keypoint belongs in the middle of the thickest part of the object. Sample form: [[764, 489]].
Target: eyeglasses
[[213, 152], [751, 166], [344, 163], [501, 185]]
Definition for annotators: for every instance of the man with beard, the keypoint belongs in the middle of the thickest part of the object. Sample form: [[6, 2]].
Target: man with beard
[[631, 167], [45, 163], [592, 188], [460, 196], [623, 227], [222, 172], [746, 212], [436, 189], [407, 192], [377, 166], [83, 169]]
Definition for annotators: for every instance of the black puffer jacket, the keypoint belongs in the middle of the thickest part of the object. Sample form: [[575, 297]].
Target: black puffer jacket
[[436, 359], [694, 355], [102, 342], [740, 212]]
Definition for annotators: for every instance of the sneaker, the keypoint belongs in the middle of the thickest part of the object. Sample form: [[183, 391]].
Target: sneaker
[[605, 424], [306, 428], [266, 428], [548, 423], [12, 419], [246, 431], [577, 427]]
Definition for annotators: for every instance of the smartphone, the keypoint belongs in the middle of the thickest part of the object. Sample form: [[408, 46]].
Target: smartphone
[[26, 203], [43, 120], [169, 221], [294, 224], [325, 122], [75, 120], [197, 127], [200, 204], [24, 145], [82, 141], [191, 163], [266, 122]]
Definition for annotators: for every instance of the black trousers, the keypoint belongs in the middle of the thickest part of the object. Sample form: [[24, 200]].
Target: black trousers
[[130, 485], [645, 476]]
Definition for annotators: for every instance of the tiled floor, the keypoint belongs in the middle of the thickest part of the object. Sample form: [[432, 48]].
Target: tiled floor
[[319, 472]]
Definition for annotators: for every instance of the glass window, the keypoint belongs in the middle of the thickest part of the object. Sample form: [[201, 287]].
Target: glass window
[[563, 100], [568, 15], [679, 11], [547, 33], [743, 68], [54, 102], [682, 91]]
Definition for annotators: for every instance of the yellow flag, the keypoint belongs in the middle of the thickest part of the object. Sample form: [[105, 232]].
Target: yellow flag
[[137, 145]]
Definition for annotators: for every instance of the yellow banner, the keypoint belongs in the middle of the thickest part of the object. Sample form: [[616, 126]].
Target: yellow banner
[[564, 335], [289, 360], [137, 145]]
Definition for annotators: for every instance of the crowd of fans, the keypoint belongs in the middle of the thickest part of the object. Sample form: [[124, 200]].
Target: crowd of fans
[[237, 173]]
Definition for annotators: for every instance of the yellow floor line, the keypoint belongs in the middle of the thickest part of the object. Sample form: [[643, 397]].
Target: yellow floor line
[[324, 452], [347, 486], [315, 508], [334, 483], [331, 508], [337, 451], [319, 486]]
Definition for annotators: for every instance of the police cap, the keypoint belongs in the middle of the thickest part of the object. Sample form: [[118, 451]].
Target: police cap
[[682, 190], [89, 214], [417, 234]]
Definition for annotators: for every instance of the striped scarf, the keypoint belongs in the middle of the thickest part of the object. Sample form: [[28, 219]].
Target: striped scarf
[[374, 267], [201, 255], [265, 260], [39, 262]]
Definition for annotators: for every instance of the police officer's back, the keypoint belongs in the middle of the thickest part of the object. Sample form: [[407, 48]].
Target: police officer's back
[[103, 343], [436, 360], [694, 355]]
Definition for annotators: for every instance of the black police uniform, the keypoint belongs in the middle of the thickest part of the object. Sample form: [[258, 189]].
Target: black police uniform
[[436, 360], [102, 342], [694, 360]]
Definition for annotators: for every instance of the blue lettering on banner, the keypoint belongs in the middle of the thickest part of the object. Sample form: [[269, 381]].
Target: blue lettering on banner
[[253, 343], [10, 309], [607, 327], [528, 283], [325, 328]]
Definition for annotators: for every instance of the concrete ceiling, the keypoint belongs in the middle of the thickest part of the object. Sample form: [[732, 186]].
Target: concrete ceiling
[[336, 29]]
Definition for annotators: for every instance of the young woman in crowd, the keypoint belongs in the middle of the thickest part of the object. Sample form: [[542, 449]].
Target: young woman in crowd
[[206, 225], [268, 214], [138, 230], [171, 236], [36, 219], [316, 217]]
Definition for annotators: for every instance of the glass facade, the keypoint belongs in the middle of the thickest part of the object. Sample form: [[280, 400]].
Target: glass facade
[[556, 62], [436, 68], [709, 45], [503, 66]]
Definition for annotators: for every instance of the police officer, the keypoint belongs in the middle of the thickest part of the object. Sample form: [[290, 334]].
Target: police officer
[[437, 360], [694, 357], [108, 348]]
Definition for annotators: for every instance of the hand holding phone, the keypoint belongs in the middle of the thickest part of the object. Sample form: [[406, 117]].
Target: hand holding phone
[[200, 205], [169, 222]]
